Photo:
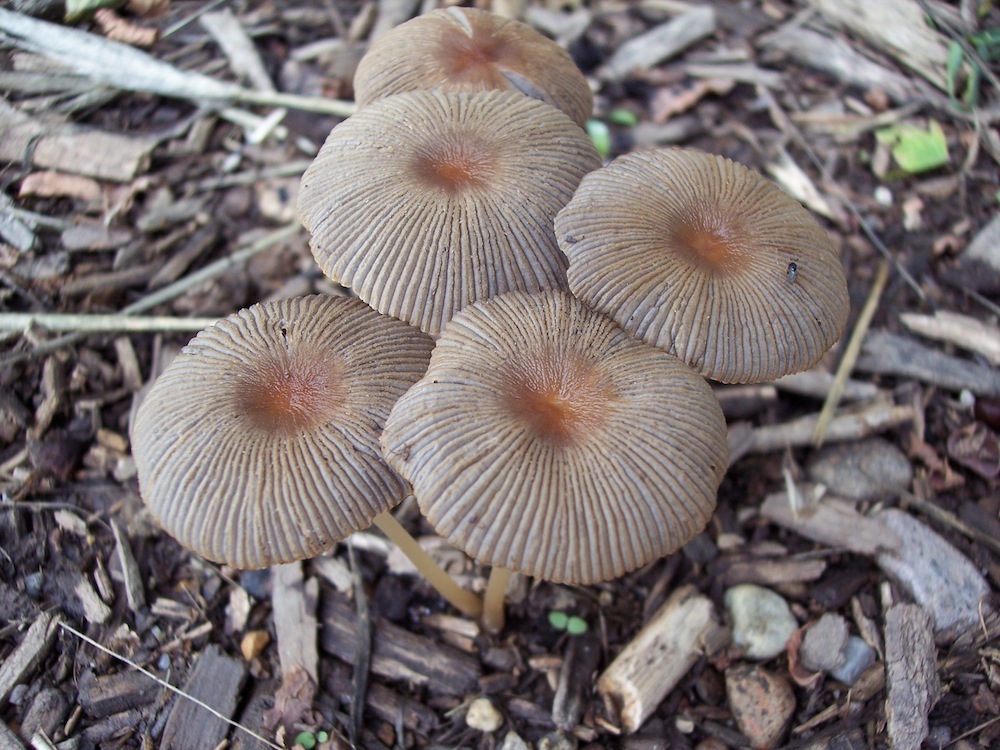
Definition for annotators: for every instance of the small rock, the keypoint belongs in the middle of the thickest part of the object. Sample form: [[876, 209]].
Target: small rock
[[513, 741], [824, 643], [483, 716], [762, 621], [253, 643], [762, 704], [937, 576], [858, 656], [557, 741], [869, 470]]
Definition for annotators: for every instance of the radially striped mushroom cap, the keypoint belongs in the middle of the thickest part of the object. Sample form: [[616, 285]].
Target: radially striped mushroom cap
[[707, 259], [426, 201], [545, 439], [259, 444], [469, 50]]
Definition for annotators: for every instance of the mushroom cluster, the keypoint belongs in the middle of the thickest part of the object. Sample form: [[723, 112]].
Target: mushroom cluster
[[551, 414]]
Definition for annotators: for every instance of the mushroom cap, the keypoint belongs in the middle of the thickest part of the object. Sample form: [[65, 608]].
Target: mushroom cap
[[707, 259], [545, 439], [426, 201], [469, 50], [258, 445]]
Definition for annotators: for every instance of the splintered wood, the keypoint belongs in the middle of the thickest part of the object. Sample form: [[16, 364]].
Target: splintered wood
[[911, 674], [657, 658]]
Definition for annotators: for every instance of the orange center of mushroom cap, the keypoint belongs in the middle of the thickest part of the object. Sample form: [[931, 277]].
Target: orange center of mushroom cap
[[471, 58], [290, 397], [560, 400], [456, 162], [713, 243]]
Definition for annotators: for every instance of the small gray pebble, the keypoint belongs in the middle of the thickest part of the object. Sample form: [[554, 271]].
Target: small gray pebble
[[858, 656], [869, 470], [824, 643]]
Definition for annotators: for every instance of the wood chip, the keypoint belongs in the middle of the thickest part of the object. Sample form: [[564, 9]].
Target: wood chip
[[911, 675], [964, 331], [20, 665], [888, 353], [104, 695], [384, 702], [9, 740], [659, 43], [294, 606], [398, 654], [657, 658], [216, 680], [575, 681], [135, 594]]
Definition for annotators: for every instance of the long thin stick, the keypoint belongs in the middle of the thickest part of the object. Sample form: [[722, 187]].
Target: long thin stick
[[95, 323], [167, 685]]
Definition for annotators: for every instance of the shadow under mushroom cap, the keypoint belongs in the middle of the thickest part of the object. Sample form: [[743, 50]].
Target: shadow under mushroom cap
[[545, 439], [707, 259], [426, 201], [258, 445]]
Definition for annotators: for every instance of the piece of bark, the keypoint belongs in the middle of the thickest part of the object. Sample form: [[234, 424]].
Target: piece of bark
[[294, 605], [33, 648], [962, 330], [94, 153], [817, 383], [384, 702], [869, 420], [911, 675], [238, 48], [575, 681], [104, 695], [838, 58], [766, 571], [398, 654], [832, 521], [659, 43], [135, 594], [888, 353], [216, 680], [9, 740], [898, 28], [251, 716], [657, 658]]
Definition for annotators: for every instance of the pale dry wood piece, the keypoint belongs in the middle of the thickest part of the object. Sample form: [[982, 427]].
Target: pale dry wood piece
[[870, 419], [911, 675], [293, 602], [888, 353], [217, 680], [659, 43], [101, 323], [22, 662], [575, 681], [391, 13], [817, 383], [658, 656], [16, 232], [833, 522], [9, 740], [135, 594], [838, 58], [398, 654], [94, 609], [740, 72], [236, 45], [898, 28], [962, 330], [94, 153], [767, 571]]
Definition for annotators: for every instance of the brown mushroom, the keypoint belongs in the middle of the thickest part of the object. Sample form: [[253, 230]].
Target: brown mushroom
[[258, 445], [707, 259], [544, 439], [426, 201], [469, 50]]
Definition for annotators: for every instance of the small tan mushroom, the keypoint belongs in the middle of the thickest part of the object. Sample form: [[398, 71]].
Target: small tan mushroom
[[707, 259], [469, 50], [426, 201], [546, 440]]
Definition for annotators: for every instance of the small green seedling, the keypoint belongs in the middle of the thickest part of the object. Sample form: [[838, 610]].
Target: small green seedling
[[916, 150], [600, 135], [309, 740], [624, 117], [570, 623]]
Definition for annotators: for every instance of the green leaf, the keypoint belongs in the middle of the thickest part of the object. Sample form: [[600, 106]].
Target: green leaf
[[622, 116], [955, 56], [601, 137], [558, 619], [77, 10], [306, 740], [916, 150], [576, 626], [322, 735]]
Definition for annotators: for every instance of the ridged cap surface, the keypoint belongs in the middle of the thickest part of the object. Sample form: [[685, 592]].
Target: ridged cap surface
[[426, 201], [470, 50], [258, 445], [545, 439], [707, 259]]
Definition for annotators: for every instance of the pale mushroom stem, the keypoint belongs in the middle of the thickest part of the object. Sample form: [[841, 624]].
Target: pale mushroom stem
[[496, 590], [465, 601]]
